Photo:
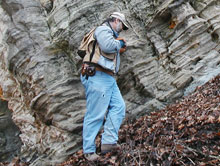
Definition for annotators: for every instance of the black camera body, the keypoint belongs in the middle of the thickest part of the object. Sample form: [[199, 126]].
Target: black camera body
[[90, 70]]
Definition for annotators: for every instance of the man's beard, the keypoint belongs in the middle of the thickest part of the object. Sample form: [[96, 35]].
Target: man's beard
[[118, 28]]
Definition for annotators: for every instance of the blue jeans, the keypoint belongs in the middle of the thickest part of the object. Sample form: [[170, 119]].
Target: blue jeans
[[103, 98]]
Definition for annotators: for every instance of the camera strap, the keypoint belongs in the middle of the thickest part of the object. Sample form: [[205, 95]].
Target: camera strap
[[91, 55], [114, 33]]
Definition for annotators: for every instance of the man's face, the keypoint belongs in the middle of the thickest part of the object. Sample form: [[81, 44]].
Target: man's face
[[119, 26]]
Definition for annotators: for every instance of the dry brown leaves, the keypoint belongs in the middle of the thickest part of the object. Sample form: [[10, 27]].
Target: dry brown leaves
[[185, 133], [15, 162]]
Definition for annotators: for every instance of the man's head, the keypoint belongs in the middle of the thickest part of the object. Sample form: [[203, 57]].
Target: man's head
[[119, 21]]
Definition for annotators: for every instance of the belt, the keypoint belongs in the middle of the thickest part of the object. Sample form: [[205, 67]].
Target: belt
[[98, 68], [104, 70]]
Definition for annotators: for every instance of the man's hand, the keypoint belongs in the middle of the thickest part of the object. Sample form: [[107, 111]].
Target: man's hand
[[120, 38], [123, 49]]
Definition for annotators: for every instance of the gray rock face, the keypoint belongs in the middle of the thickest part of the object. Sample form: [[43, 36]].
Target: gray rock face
[[172, 47], [10, 143]]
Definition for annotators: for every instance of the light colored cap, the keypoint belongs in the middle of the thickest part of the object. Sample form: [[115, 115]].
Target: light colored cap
[[121, 17]]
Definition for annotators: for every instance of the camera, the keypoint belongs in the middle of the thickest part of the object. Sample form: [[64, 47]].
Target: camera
[[90, 70]]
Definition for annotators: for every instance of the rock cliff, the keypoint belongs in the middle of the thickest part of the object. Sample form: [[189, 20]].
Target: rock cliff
[[173, 46]]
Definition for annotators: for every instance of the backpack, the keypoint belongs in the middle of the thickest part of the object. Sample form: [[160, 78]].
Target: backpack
[[87, 40], [90, 52]]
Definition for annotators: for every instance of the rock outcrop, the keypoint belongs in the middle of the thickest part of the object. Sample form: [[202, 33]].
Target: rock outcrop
[[172, 46], [10, 143]]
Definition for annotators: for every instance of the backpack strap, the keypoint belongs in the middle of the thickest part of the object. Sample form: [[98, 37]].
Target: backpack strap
[[115, 36], [93, 51], [85, 42]]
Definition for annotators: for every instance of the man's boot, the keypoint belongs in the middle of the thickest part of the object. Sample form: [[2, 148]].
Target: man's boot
[[105, 148], [91, 156]]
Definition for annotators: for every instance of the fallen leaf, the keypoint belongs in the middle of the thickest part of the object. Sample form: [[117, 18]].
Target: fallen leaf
[[172, 24], [179, 148], [211, 119], [181, 126], [202, 164]]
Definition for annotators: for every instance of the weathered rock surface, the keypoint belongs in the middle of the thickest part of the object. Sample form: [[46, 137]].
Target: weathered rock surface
[[173, 46], [10, 143]]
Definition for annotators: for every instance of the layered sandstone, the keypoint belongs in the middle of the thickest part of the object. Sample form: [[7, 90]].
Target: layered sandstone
[[173, 46]]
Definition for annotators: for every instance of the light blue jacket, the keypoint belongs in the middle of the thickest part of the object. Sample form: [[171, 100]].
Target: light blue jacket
[[108, 44]]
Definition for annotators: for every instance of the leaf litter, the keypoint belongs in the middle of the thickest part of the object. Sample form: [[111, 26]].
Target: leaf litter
[[186, 133]]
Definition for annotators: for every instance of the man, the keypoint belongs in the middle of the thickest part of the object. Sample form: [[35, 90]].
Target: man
[[102, 93]]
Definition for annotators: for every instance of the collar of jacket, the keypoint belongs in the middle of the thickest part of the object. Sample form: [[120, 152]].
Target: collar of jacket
[[115, 34]]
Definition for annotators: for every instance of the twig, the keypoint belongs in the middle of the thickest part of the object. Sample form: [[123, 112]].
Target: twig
[[139, 157], [182, 163], [197, 151], [191, 161], [194, 150], [154, 137], [135, 159]]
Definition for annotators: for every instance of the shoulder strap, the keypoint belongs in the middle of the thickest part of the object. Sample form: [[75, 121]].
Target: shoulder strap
[[87, 39], [115, 36], [93, 50]]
